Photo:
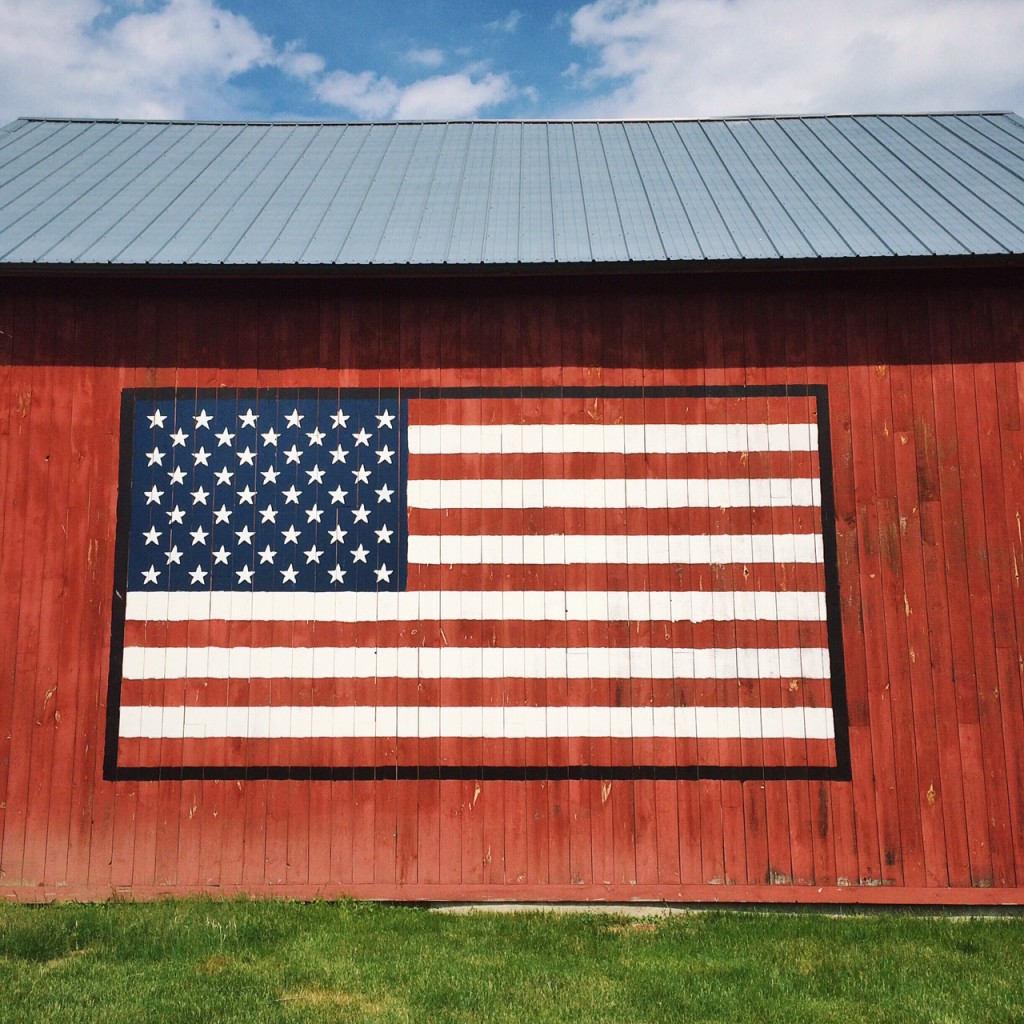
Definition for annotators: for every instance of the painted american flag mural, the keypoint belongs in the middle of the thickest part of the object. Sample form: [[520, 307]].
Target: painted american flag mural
[[584, 582]]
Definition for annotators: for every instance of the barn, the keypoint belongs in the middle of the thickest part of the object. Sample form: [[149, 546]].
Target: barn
[[513, 511]]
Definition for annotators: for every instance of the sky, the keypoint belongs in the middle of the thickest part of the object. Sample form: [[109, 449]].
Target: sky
[[331, 60]]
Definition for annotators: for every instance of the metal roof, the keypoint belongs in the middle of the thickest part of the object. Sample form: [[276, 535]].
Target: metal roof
[[93, 194]]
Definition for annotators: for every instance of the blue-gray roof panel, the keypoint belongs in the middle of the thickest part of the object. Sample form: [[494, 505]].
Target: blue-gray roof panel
[[668, 219], [973, 187], [313, 190], [254, 187], [574, 193], [709, 227], [503, 206], [574, 239], [773, 217], [345, 193], [469, 223], [636, 219]]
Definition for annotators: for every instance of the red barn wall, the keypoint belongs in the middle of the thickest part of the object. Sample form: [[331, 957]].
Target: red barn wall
[[925, 384]]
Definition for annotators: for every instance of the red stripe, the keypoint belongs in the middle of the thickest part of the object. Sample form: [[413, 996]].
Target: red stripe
[[466, 693], [582, 466], [478, 633], [611, 522], [777, 409], [734, 576], [605, 752]]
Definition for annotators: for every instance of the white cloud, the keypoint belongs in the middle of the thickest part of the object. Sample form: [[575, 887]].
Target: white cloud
[[437, 97], [78, 58], [426, 58], [507, 24], [678, 58], [365, 94], [299, 63], [458, 95]]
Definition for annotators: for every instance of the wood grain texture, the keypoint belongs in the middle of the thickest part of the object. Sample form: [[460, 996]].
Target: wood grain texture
[[925, 377]]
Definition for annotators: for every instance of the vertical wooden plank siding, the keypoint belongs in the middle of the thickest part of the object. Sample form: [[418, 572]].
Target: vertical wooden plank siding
[[924, 376]]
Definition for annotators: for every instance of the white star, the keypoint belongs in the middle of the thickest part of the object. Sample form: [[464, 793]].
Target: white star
[[151, 574], [245, 574], [337, 574], [203, 419], [157, 420], [383, 574], [385, 419], [152, 535], [338, 496], [245, 495], [156, 457], [362, 437], [268, 514], [313, 515], [313, 555], [199, 497], [360, 553], [384, 494], [246, 457], [224, 437], [317, 437], [384, 535], [339, 454], [248, 418], [198, 536], [176, 515], [362, 475], [291, 535], [361, 514], [198, 574], [178, 438], [338, 535], [153, 496], [174, 555], [316, 475], [222, 515], [201, 457], [270, 475], [270, 437], [245, 535], [224, 476], [294, 418], [176, 475], [221, 557], [289, 575], [292, 455], [339, 419], [291, 496], [267, 555], [385, 455]]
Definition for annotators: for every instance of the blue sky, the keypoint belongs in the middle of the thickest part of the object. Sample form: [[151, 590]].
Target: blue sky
[[415, 59]]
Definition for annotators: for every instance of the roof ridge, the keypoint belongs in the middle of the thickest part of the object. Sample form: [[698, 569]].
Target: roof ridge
[[315, 123]]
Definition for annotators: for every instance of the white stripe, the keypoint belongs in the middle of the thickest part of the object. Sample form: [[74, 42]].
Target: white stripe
[[476, 722], [617, 493], [509, 605], [627, 439], [635, 549], [474, 662]]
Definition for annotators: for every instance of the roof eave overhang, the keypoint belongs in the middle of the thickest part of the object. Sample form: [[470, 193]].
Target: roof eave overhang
[[491, 270]]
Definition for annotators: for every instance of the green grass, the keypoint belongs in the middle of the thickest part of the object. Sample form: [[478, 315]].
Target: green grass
[[208, 961]]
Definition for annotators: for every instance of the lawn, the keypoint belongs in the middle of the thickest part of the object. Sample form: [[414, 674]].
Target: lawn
[[208, 961]]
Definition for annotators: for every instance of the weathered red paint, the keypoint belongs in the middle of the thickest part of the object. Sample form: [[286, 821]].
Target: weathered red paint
[[926, 380]]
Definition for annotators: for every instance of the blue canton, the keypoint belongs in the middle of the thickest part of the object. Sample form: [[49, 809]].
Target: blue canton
[[269, 492]]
